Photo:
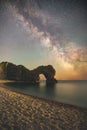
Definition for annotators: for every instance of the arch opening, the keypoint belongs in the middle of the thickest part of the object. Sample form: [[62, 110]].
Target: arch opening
[[42, 77], [42, 82]]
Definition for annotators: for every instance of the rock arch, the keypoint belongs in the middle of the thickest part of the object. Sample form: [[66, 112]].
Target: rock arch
[[47, 71], [10, 71]]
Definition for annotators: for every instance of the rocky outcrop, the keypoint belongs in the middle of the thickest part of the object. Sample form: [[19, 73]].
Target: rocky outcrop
[[9, 71]]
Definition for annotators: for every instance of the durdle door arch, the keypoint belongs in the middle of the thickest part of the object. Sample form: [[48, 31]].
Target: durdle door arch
[[10, 71], [48, 72]]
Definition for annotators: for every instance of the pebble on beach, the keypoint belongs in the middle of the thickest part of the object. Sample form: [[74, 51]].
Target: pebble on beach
[[22, 112]]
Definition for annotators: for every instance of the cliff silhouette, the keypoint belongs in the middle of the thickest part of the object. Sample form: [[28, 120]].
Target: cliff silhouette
[[10, 71]]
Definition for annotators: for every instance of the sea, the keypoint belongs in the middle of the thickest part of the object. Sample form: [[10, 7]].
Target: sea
[[69, 92]]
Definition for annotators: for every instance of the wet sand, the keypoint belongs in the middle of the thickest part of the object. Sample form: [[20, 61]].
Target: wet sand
[[23, 112]]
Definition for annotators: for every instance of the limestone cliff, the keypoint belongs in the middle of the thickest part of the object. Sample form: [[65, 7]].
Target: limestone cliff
[[10, 71]]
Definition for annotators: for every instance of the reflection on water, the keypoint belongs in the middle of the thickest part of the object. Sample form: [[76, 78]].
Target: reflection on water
[[72, 93], [67, 92]]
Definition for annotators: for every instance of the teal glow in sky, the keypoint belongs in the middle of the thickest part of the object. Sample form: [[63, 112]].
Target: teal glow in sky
[[53, 32]]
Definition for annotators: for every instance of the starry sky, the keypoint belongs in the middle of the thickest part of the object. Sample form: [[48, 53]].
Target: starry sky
[[43, 32]]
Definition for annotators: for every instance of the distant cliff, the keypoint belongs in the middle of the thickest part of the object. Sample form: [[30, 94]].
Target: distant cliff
[[10, 71]]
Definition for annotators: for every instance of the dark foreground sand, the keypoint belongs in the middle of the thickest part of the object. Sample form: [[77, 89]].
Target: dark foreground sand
[[22, 112]]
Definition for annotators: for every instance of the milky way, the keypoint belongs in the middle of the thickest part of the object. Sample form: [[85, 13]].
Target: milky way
[[57, 26]]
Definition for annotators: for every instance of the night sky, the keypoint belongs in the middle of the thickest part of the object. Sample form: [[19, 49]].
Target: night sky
[[43, 32]]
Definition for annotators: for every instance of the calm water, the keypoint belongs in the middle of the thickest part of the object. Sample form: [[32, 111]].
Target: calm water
[[67, 92]]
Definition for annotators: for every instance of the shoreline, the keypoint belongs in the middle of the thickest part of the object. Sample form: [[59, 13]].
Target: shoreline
[[23, 112], [43, 99]]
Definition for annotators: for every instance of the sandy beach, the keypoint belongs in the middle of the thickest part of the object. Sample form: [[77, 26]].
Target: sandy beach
[[23, 112]]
